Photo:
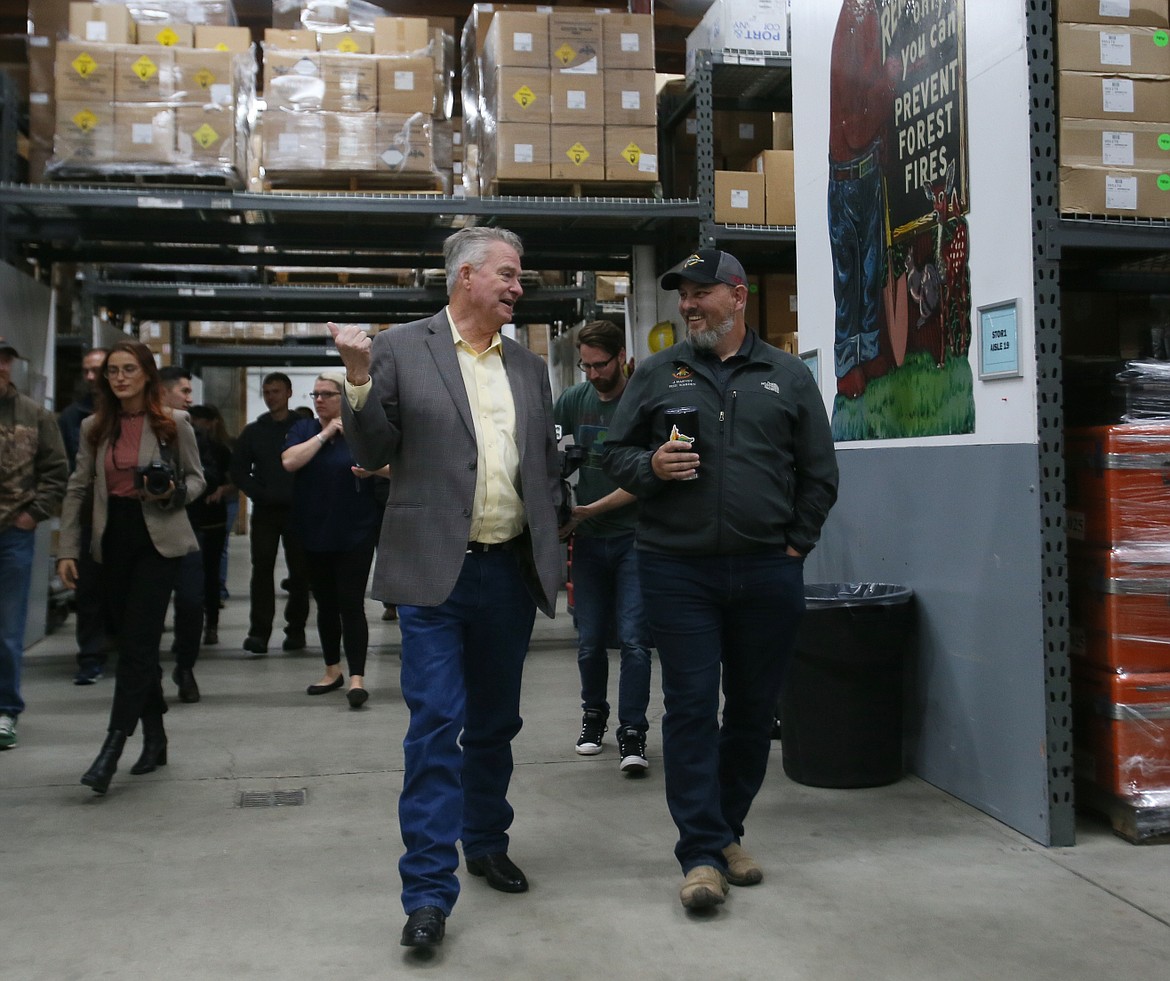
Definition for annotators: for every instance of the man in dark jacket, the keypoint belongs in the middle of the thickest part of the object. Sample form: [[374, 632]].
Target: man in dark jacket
[[257, 471], [727, 510]]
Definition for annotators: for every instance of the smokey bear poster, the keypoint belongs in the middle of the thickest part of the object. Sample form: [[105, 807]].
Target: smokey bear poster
[[897, 209]]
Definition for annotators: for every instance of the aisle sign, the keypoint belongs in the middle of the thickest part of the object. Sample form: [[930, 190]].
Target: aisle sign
[[999, 351]]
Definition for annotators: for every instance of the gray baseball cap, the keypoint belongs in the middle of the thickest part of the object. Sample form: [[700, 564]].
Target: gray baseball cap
[[706, 266], [5, 346]]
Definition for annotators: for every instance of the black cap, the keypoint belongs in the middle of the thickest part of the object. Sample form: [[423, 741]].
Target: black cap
[[706, 266], [5, 346]]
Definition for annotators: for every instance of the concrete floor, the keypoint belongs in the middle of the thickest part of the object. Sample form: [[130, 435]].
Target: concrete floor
[[168, 878]]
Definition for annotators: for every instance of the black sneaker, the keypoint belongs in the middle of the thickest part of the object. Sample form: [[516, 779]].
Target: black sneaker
[[593, 727], [632, 750], [294, 640], [88, 672], [255, 646]]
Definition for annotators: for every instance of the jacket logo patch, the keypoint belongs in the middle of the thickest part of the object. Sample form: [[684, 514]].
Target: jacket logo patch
[[771, 387], [681, 371]]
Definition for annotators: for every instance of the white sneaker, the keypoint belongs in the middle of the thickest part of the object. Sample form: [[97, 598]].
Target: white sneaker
[[8, 739]]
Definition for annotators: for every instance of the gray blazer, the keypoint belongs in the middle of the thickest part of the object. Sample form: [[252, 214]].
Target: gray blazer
[[169, 528], [418, 420]]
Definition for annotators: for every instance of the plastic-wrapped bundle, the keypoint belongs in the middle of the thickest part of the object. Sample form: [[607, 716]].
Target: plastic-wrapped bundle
[[1145, 387]]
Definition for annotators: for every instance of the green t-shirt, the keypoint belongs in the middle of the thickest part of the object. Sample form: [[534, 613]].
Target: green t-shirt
[[580, 412]]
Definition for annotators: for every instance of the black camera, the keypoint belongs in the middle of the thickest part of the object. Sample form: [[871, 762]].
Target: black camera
[[155, 478], [572, 456]]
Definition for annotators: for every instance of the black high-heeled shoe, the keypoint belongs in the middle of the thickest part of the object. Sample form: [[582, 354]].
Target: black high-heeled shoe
[[154, 746], [102, 770]]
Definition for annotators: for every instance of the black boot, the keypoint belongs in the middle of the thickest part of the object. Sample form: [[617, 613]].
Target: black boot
[[101, 772], [154, 746]]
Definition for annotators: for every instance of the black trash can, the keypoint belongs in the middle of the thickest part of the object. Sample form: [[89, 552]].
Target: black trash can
[[841, 708]]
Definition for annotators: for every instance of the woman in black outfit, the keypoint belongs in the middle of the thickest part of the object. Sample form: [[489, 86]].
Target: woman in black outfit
[[139, 461]]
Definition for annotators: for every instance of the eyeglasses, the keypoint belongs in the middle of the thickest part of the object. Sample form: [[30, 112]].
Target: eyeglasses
[[324, 395], [126, 371], [596, 365]]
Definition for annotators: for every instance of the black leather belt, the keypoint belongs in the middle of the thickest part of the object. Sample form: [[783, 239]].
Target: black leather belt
[[478, 547]]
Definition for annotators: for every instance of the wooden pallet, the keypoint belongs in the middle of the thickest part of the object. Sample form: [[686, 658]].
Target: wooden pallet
[[160, 179], [572, 189], [1136, 824], [328, 276], [351, 182]]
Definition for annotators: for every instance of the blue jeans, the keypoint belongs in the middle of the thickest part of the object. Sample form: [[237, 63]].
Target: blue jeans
[[462, 663], [734, 615], [857, 242], [606, 595], [16, 559]]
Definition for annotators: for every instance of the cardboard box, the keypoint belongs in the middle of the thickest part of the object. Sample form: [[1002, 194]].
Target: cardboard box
[[351, 82], [48, 18], [739, 136], [349, 140], [1090, 95], [627, 41], [167, 35], [42, 59], [631, 153], [276, 39], [104, 23], [401, 35], [206, 137], [292, 140], [1153, 13], [1103, 143], [778, 305], [346, 42], [756, 26], [405, 144], [1114, 191], [204, 76], [144, 73], [205, 330], [84, 134], [574, 41], [782, 131], [84, 72], [577, 153], [519, 95], [630, 98], [777, 166], [293, 80], [517, 40], [406, 84], [577, 100], [739, 198], [144, 134], [517, 151], [237, 40], [1125, 49], [611, 287]]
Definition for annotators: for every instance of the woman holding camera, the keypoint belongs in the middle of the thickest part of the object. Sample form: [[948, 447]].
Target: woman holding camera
[[137, 467], [337, 518]]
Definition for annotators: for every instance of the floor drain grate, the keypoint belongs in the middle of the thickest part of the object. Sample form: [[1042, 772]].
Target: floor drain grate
[[270, 798]]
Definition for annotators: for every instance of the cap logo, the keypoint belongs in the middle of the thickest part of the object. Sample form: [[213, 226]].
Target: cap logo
[[692, 260]]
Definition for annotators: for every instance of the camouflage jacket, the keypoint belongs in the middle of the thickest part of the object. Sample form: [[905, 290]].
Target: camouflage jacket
[[33, 468]]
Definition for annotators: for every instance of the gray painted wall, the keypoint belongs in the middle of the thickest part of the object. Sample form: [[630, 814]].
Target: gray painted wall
[[960, 526]]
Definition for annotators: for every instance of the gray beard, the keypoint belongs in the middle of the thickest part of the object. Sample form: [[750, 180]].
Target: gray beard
[[708, 339]]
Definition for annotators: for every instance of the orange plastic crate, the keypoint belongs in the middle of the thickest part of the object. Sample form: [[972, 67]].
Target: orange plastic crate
[[1119, 483], [1121, 729]]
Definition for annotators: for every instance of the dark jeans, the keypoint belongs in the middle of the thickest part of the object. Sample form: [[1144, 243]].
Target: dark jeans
[[271, 527], [189, 608], [734, 615], [87, 603], [212, 542], [138, 583], [462, 663], [17, 549], [606, 594], [338, 581]]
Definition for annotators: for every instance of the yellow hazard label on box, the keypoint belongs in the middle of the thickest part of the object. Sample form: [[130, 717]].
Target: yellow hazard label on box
[[205, 136], [84, 65], [565, 53], [167, 38], [347, 44], [524, 96], [632, 154], [145, 69], [577, 153], [85, 120], [205, 78]]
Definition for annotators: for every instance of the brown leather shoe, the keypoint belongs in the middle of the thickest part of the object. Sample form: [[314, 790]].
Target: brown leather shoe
[[703, 888], [742, 869]]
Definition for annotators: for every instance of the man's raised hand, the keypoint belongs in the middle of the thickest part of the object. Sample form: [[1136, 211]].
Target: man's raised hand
[[353, 344]]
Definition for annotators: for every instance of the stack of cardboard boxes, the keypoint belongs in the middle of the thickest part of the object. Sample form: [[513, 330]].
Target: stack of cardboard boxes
[[153, 97], [359, 103], [1119, 612], [567, 95], [1114, 97]]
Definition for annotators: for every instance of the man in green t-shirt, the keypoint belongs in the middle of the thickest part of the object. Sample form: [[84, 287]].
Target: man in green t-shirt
[[606, 595]]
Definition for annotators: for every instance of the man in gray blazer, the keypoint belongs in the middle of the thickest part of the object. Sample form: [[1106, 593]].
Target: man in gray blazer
[[468, 551]]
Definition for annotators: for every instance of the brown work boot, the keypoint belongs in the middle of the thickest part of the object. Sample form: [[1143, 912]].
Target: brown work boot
[[703, 888], [742, 869]]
